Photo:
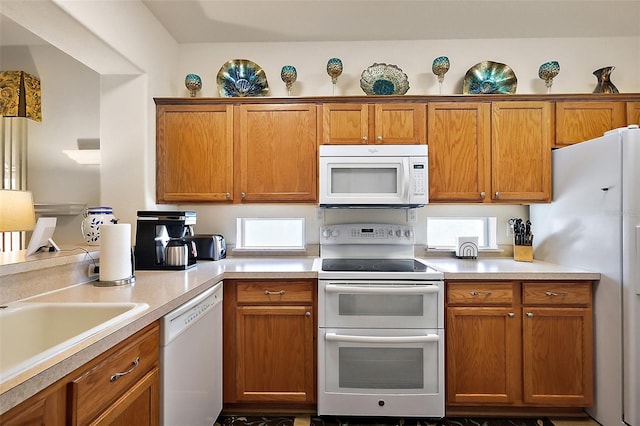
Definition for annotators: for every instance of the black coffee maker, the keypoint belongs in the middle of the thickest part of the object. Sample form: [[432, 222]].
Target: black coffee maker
[[162, 240]]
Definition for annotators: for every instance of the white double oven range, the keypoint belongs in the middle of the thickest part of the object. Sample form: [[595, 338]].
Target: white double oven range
[[380, 324]]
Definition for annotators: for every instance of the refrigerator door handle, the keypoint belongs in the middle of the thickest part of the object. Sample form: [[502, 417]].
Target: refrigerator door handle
[[636, 268]]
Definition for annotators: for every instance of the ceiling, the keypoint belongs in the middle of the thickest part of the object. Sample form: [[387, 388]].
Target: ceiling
[[210, 21]]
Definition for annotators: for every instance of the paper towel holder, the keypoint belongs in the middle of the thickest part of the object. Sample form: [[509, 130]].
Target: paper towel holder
[[123, 281], [467, 248]]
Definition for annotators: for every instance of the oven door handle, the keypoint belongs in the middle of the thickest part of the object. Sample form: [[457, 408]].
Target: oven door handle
[[333, 337], [388, 289]]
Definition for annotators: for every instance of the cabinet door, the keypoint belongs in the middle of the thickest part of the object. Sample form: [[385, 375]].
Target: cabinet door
[[459, 138], [277, 153], [45, 408], [397, 124], [483, 353], [138, 406], [521, 151], [557, 356], [275, 354], [345, 124], [580, 121], [194, 153], [633, 113]]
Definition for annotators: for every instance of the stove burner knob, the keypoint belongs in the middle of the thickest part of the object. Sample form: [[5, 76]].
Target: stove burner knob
[[399, 233], [408, 233], [326, 233], [335, 233], [381, 403]]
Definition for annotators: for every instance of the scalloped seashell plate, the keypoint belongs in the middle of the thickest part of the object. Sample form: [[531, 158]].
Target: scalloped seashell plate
[[242, 78], [383, 79], [489, 77]]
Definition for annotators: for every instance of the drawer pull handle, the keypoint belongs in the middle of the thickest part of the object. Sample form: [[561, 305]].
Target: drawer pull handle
[[551, 293], [480, 293], [134, 365], [273, 293]]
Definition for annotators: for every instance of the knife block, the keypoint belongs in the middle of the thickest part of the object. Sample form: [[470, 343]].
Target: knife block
[[523, 253]]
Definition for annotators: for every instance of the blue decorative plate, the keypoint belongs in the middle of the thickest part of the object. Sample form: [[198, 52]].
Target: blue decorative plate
[[489, 77], [242, 77], [383, 79]]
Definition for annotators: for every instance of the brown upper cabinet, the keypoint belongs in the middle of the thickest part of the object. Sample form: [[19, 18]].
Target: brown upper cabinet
[[220, 152], [580, 121], [490, 152], [194, 153], [633, 113], [276, 155], [380, 123]]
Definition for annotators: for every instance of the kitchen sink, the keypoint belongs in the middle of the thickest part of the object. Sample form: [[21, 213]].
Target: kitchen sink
[[33, 332]]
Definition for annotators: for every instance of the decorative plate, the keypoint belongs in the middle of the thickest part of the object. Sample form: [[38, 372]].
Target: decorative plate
[[242, 77], [489, 77], [383, 79]]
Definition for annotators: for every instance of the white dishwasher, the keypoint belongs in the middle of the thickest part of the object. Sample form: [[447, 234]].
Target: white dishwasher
[[191, 361]]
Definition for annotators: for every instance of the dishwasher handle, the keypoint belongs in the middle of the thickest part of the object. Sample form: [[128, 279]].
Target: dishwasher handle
[[389, 289]]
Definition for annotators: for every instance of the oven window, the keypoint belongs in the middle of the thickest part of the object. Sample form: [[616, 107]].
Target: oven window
[[364, 180], [381, 368], [407, 305]]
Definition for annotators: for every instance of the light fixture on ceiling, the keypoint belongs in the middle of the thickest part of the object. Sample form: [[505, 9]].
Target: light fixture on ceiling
[[88, 151], [20, 95]]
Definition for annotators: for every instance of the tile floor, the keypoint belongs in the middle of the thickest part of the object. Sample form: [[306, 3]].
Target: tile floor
[[304, 421]]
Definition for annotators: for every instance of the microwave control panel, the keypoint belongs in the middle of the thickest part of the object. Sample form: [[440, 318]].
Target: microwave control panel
[[418, 178]]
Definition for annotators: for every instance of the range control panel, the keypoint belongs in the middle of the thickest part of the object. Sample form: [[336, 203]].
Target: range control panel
[[358, 233]]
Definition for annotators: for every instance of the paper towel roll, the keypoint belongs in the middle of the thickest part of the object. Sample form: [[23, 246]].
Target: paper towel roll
[[115, 251]]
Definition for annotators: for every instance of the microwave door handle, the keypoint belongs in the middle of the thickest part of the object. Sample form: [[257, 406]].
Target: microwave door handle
[[333, 337], [404, 178], [354, 289]]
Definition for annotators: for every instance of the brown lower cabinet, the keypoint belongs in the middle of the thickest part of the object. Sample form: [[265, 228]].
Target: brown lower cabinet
[[89, 395], [516, 344], [269, 343]]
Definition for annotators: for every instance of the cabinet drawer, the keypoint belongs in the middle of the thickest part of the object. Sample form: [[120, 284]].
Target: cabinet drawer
[[274, 292], [114, 374], [566, 293], [483, 293]]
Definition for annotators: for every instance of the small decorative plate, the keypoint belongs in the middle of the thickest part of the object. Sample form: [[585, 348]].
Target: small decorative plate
[[489, 77], [383, 79], [242, 77]]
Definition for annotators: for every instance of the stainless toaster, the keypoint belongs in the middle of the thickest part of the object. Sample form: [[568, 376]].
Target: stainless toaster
[[210, 246]]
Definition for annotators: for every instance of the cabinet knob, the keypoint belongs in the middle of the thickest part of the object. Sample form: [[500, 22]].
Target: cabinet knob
[[529, 315], [307, 314], [379, 138], [227, 195], [483, 194], [365, 139], [497, 194], [243, 194], [511, 315]]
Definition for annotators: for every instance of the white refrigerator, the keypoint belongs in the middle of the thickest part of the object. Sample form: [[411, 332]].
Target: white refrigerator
[[593, 223]]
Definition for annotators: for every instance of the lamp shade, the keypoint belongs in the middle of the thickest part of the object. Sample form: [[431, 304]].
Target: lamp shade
[[20, 95], [16, 211]]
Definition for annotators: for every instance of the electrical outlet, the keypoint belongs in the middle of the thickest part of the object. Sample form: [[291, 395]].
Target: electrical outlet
[[93, 271], [319, 213], [412, 215]]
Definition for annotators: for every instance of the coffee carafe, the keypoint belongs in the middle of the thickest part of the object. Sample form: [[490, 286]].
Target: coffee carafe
[[162, 240]]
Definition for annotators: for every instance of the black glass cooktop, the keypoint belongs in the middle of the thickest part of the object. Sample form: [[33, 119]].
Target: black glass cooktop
[[373, 265]]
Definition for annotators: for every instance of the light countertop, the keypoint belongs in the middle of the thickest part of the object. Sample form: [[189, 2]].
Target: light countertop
[[164, 291]]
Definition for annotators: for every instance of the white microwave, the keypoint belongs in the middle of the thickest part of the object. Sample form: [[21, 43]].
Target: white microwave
[[374, 176]]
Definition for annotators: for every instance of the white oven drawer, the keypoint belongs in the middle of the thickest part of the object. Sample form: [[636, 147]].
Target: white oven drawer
[[390, 372], [380, 304]]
